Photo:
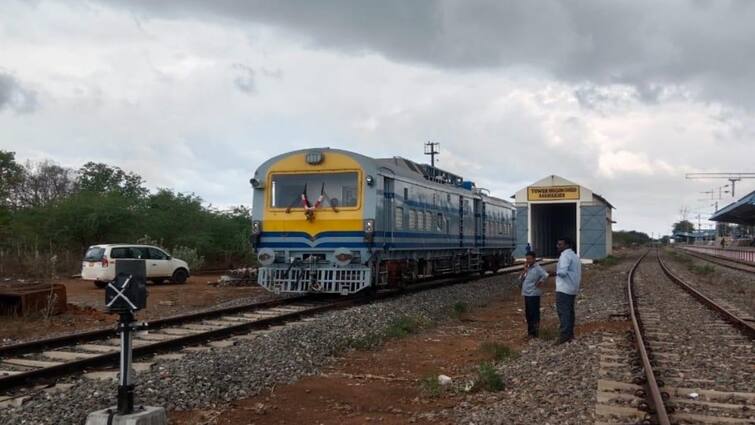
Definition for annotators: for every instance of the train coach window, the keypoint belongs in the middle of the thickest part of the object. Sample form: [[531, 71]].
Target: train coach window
[[439, 222], [412, 219], [420, 220], [428, 221], [399, 218], [340, 189]]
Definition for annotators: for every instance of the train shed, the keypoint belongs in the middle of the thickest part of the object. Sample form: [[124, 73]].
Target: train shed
[[554, 207]]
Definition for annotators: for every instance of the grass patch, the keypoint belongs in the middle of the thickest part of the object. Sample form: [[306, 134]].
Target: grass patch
[[498, 352], [488, 378], [430, 386], [365, 343], [458, 309], [702, 269], [608, 261], [681, 258], [548, 334], [403, 326]]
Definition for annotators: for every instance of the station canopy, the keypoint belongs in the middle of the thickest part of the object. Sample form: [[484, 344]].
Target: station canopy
[[740, 212]]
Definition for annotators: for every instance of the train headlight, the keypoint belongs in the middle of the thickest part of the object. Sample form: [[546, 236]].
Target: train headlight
[[266, 256], [369, 226], [370, 180], [256, 183], [314, 157], [256, 227], [343, 256]]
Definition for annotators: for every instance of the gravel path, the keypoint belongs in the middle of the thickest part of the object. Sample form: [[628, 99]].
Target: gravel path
[[550, 384], [720, 283], [209, 379]]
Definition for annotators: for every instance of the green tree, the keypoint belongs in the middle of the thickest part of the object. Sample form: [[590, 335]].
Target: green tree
[[11, 176], [102, 178], [683, 226], [49, 210], [631, 237], [43, 184]]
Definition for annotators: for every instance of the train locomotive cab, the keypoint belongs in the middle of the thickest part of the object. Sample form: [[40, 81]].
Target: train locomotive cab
[[310, 229]]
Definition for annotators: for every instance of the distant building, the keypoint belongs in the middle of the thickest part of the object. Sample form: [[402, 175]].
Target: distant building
[[554, 207], [695, 235]]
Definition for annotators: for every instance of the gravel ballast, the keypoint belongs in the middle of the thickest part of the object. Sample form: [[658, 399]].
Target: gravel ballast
[[282, 355], [550, 384], [737, 288]]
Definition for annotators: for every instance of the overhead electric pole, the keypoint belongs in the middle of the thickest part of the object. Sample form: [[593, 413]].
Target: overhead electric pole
[[732, 177], [432, 149]]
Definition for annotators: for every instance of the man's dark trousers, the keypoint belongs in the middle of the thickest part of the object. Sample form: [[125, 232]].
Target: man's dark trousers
[[532, 313], [565, 309]]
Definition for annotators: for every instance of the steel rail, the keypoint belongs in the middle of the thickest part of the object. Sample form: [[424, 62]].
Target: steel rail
[[721, 261], [66, 368], [64, 340], [651, 384], [727, 315], [99, 360]]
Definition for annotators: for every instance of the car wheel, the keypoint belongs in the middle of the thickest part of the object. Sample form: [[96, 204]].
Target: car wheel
[[100, 284], [180, 276], [157, 281]]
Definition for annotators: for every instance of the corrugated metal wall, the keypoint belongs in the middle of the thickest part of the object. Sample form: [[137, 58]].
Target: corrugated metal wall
[[593, 229], [521, 231]]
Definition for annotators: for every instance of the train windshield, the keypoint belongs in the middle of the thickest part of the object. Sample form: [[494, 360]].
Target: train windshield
[[337, 189]]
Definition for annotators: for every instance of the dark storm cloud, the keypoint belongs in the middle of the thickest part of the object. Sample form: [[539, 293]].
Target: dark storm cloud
[[646, 44], [14, 96]]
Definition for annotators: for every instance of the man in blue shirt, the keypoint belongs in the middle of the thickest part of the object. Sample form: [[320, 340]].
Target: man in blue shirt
[[568, 276], [532, 278]]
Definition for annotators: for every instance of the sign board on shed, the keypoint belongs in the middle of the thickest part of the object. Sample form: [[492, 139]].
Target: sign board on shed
[[553, 193]]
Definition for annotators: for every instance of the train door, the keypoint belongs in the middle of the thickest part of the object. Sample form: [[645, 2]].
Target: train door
[[478, 206], [461, 221], [389, 206], [479, 211]]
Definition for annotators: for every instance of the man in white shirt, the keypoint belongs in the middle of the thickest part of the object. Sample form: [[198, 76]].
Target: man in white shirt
[[568, 276]]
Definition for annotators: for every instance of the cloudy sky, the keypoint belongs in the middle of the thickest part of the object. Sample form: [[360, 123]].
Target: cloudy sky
[[624, 97]]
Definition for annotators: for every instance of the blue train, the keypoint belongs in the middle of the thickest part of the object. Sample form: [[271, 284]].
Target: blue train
[[332, 221]]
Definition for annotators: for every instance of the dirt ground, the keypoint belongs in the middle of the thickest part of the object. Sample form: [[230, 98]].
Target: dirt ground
[[385, 385], [86, 303]]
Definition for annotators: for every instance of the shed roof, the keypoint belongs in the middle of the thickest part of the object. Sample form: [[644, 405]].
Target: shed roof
[[740, 212], [586, 194]]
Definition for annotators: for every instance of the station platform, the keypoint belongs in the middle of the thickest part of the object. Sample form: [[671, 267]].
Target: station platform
[[741, 254]]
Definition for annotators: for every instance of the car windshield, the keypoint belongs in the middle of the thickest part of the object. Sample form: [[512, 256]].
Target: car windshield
[[94, 253], [340, 189]]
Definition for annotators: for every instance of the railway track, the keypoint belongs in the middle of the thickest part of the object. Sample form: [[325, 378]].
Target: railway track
[[686, 363], [37, 364], [728, 263]]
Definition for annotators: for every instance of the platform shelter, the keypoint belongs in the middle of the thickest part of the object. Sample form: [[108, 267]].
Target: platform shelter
[[554, 207], [741, 212]]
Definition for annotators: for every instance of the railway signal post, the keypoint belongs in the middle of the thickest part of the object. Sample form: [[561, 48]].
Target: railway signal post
[[125, 296]]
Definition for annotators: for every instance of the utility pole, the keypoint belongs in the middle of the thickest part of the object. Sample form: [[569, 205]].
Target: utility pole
[[732, 177], [712, 194], [432, 149]]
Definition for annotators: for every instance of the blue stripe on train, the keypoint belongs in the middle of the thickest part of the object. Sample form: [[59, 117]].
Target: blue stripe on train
[[397, 245], [406, 235]]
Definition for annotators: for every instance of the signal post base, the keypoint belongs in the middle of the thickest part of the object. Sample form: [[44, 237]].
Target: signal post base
[[142, 415]]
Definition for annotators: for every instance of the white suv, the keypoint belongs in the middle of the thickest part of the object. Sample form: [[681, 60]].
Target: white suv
[[99, 263]]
